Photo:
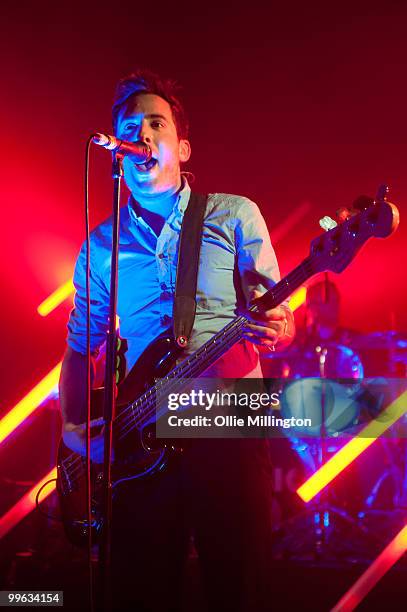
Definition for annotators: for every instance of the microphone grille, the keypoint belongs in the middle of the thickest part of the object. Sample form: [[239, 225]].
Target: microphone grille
[[109, 142]]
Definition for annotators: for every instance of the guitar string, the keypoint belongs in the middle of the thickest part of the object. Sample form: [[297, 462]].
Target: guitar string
[[304, 269], [186, 363], [77, 465], [149, 402], [149, 406], [184, 369], [298, 273], [140, 417]]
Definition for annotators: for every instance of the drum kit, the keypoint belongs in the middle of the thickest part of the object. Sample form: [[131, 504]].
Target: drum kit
[[328, 382]]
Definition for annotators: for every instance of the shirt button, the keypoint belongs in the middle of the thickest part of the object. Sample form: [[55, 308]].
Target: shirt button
[[163, 286], [166, 320], [161, 255]]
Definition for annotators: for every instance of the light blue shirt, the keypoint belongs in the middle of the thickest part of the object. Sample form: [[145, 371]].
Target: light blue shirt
[[236, 257]]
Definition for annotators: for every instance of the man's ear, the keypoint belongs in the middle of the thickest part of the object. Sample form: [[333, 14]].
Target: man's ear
[[184, 150]]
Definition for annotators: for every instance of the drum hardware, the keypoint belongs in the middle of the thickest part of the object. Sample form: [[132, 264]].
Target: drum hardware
[[384, 355], [324, 531], [326, 516]]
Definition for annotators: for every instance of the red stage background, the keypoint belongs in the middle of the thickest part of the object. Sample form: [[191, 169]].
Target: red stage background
[[316, 95]]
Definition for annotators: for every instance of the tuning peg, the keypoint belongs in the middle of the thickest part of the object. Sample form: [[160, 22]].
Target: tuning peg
[[343, 214], [327, 223], [362, 203]]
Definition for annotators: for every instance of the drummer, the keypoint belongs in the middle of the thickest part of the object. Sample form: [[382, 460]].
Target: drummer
[[322, 316]]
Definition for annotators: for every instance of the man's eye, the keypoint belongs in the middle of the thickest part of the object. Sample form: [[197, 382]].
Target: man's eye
[[157, 124], [130, 127]]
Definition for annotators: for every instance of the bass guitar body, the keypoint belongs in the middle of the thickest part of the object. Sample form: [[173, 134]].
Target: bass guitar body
[[136, 452]]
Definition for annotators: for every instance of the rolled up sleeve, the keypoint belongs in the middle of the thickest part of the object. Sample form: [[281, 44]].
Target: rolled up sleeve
[[256, 259], [99, 307]]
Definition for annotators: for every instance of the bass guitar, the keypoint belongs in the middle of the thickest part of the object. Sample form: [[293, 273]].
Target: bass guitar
[[137, 454]]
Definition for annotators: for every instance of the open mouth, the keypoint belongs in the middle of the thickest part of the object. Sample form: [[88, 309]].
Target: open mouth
[[147, 166]]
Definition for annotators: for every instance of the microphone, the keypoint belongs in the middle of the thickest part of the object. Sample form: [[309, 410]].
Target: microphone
[[139, 151]]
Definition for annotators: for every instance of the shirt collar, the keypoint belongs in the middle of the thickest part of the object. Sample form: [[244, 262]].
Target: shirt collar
[[179, 207]]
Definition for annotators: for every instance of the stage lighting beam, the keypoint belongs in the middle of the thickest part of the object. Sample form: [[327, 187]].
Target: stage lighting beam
[[298, 298], [27, 503], [56, 298], [380, 566], [29, 403], [348, 453]]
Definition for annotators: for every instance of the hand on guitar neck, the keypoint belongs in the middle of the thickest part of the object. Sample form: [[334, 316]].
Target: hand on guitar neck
[[269, 327]]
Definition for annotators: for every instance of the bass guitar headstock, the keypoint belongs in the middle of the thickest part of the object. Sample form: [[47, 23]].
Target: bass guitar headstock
[[367, 218]]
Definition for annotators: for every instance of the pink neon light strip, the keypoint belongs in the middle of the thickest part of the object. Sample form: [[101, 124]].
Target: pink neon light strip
[[289, 222], [374, 573]]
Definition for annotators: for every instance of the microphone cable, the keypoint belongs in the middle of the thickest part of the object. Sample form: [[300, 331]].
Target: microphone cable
[[88, 376]]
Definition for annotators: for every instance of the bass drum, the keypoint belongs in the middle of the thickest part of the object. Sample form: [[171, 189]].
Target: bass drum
[[316, 375]]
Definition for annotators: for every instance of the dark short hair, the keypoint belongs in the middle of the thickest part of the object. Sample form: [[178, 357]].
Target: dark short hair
[[144, 81]]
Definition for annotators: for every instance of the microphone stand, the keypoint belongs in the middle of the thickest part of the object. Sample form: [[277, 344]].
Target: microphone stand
[[322, 508], [105, 573]]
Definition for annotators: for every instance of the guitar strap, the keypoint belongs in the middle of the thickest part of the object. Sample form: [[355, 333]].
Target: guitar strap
[[184, 308]]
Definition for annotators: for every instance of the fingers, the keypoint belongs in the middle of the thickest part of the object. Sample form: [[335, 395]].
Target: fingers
[[265, 327], [272, 330], [97, 449], [97, 422], [260, 335], [94, 423], [277, 312], [274, 314], [261, 340], [75, 440]]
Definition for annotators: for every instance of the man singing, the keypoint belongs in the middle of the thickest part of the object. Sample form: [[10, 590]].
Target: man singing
[[216, 490]]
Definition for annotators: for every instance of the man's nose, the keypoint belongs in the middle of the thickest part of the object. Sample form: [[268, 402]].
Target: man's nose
[[144, 133]]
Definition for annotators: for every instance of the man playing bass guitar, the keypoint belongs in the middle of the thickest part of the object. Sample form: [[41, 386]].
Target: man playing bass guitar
[[218, 490]]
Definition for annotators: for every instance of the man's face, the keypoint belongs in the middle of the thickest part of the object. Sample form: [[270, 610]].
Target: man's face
[[149, 118]]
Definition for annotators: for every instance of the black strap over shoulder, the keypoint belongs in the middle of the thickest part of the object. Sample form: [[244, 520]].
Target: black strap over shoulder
[[187, 268]]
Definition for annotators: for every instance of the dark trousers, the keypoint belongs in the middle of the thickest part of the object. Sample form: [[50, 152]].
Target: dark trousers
[[218, 490]]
